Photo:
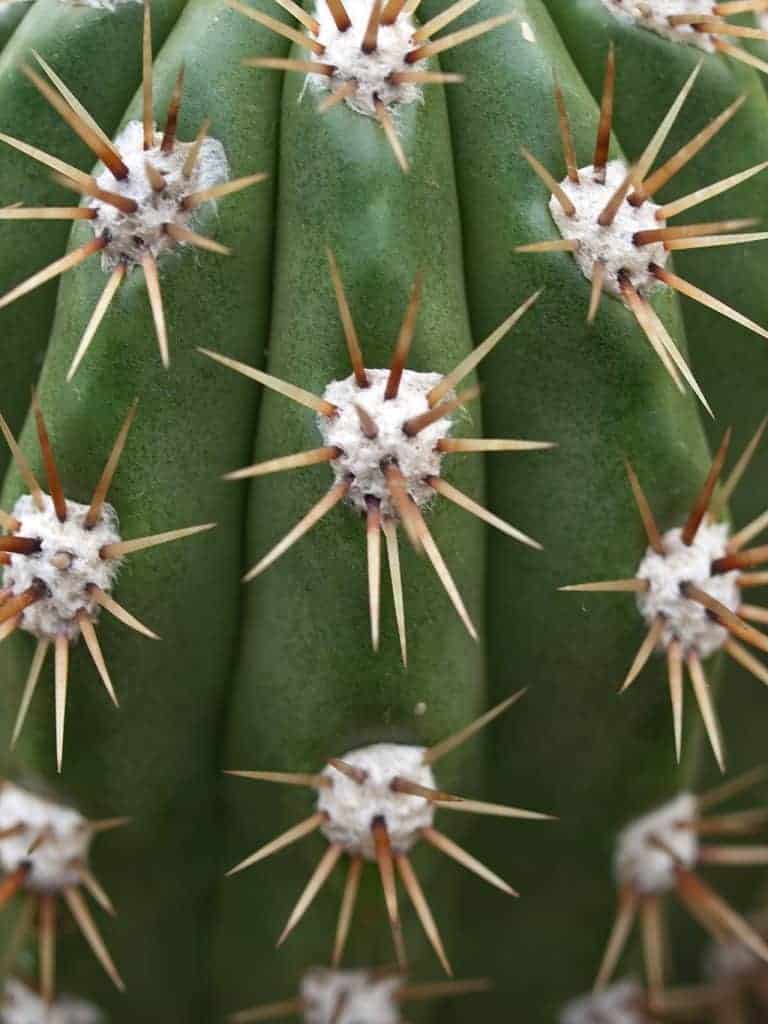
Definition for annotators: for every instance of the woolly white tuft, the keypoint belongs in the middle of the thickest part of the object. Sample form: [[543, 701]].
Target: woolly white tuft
[[684, 619], [134, 235], [351, 807], [67, 592], [371, 71], [644, 849], [622, 1003], [67, 839], [21, 1005], [654, 15], [361, 459], [349, 997], [611, 245], [105, 5]]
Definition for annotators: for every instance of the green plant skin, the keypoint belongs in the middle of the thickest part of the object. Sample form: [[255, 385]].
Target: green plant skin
[[600, 393], [98, 53], [236, 665], [11, 16], [307, 685], [157, 758]]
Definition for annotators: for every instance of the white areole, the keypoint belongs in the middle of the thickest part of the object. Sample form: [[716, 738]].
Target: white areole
[[352, 807], [68, 561], [649, 850], [55, 863], [349, 997], [134, 235], [612, 245], [362, 458], [371, 71], [684, 619], [655, 14], [21, 1005]]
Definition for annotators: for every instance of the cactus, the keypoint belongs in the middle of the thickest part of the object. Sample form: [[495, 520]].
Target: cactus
[[377, 213]]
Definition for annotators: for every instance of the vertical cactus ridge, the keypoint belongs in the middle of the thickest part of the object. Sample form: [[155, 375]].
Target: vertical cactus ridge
[[165, 869], [725, 357], [603, 395], [342, 697]]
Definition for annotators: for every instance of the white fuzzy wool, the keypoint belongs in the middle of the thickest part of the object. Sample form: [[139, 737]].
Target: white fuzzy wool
[[105, 5], [21, 1005], [351, 807], [622, 1003], [67, 591], [647, 867], [654, 15], [371, 71], [612, 245], [361, 459], [134, 235], [349, 997], [67, 832], [687, 620]]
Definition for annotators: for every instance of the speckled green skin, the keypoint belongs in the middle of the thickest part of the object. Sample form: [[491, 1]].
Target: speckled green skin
[[100, 52], [574, 748], [157, 758], [305, 651], [10, 17]]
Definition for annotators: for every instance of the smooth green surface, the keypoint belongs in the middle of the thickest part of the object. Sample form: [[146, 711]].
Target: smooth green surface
[[157, 759], [98, 55], [308, 686]]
